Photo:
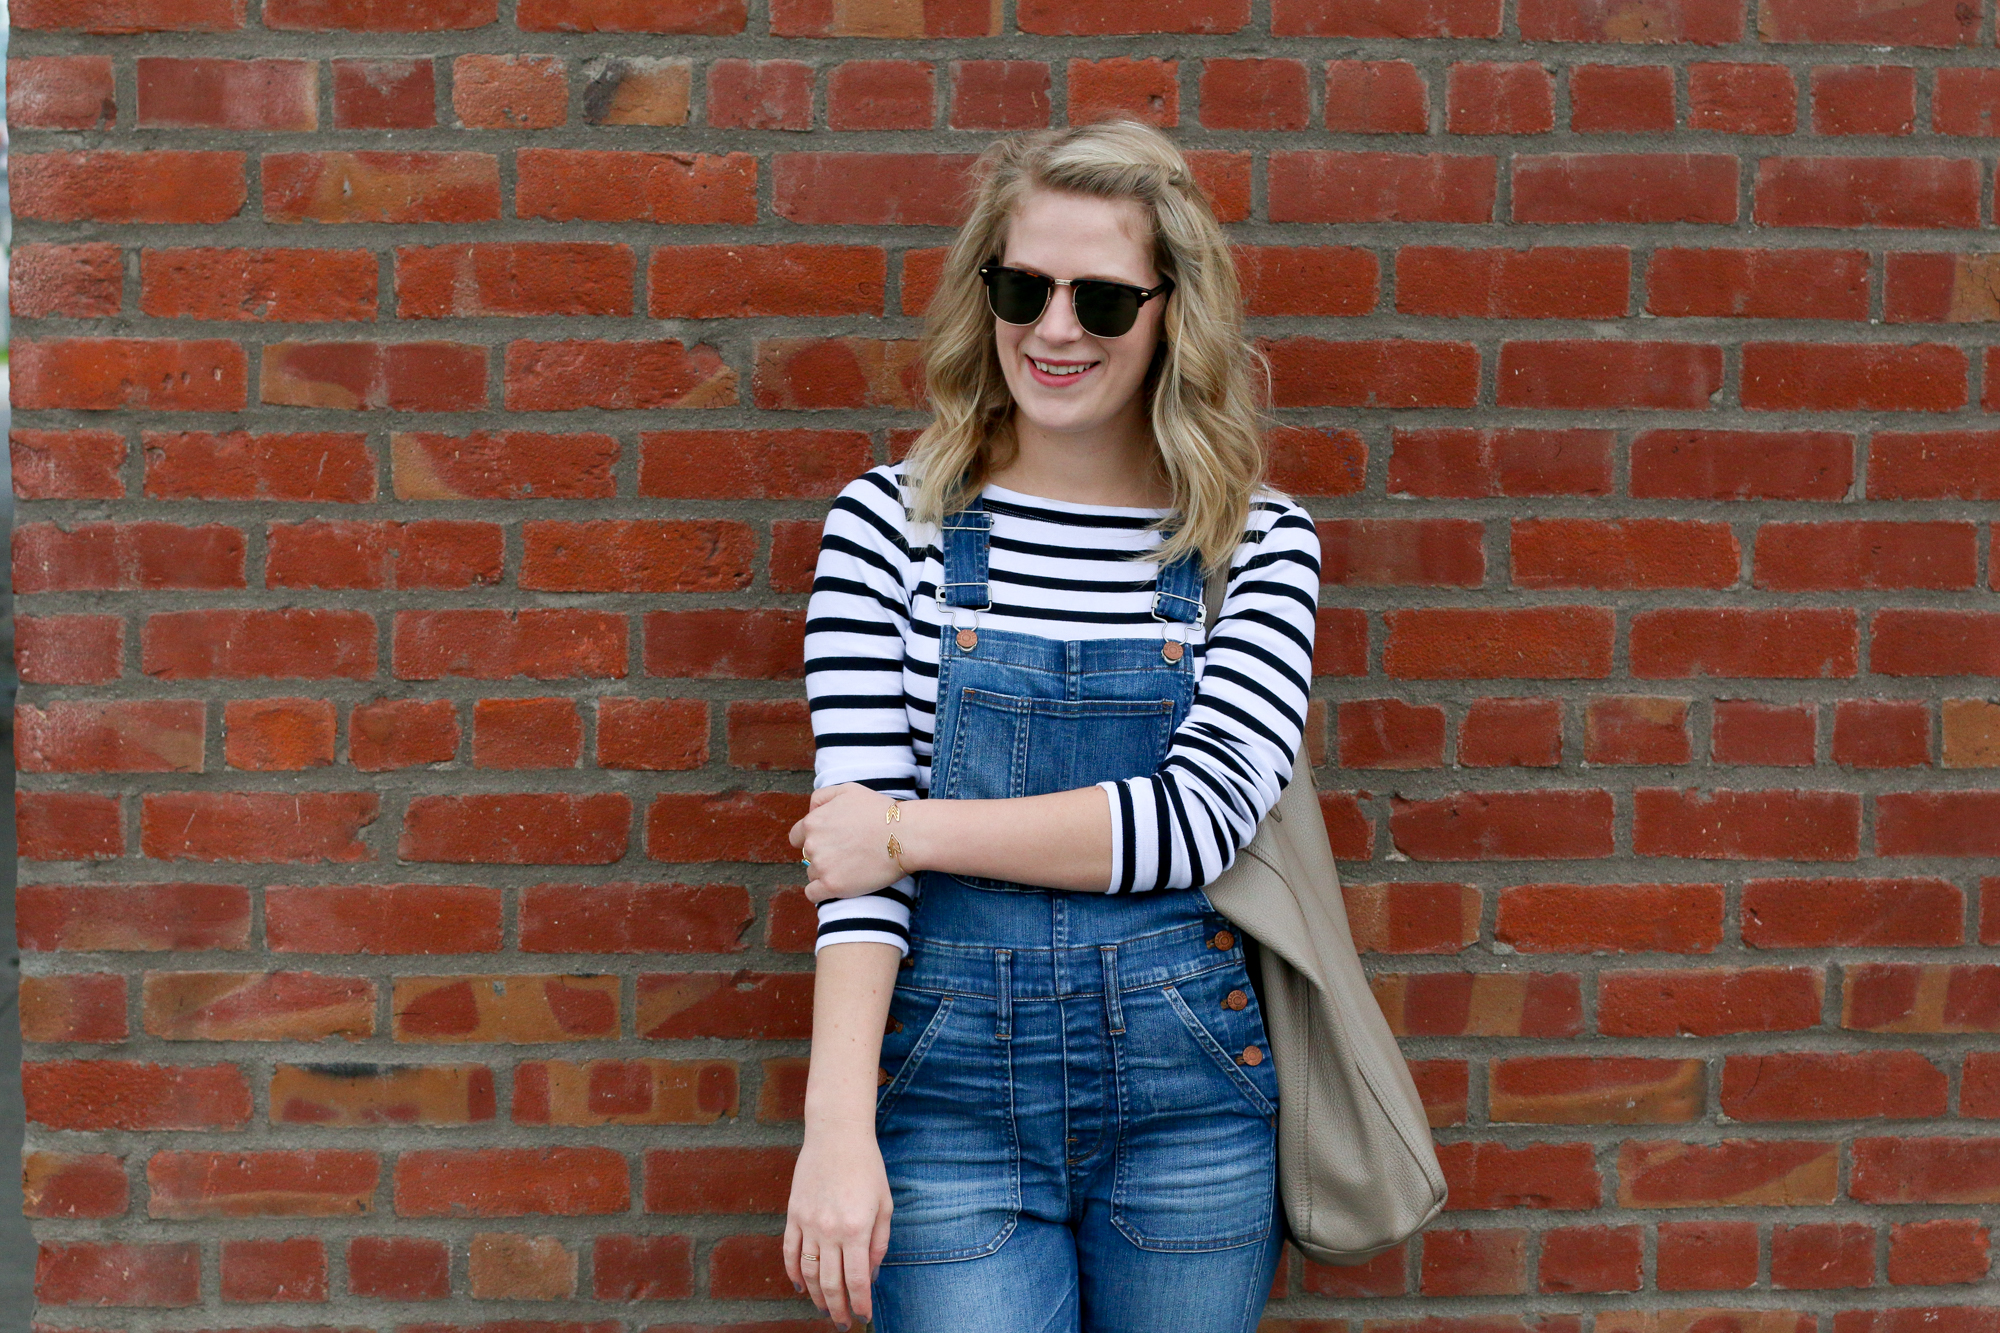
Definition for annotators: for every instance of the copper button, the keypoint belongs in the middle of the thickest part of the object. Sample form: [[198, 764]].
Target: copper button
[[1252, 1055], [895, 1025], [881, 1077], [1222, 939], [1172, 650], [968, 639], [908, 961], [1236, 999]]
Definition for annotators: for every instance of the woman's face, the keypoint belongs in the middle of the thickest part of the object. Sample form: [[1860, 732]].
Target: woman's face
[[1075, 236]]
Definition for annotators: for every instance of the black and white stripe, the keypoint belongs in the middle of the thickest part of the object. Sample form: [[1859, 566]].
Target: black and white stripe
[[1059, 570]]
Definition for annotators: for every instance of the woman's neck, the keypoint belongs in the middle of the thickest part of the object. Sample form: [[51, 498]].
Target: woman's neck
[[1116, 467]]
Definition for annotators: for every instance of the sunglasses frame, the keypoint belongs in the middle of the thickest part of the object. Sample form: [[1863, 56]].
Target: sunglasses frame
[[1145, 294]]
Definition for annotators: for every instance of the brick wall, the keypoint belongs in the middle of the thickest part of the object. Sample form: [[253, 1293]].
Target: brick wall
[[425, 410]]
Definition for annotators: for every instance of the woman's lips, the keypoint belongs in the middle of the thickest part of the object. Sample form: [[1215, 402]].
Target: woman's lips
[[1058, 381]]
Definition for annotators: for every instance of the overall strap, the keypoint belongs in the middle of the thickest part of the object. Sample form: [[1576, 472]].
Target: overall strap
[[1177, 591], [963, 536]]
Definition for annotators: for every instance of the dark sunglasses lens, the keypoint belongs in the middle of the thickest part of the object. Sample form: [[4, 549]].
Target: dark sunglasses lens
[[1016, 297], [1106, 308]]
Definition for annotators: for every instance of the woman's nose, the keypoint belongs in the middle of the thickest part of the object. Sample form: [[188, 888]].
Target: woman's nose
[[1058, 322]]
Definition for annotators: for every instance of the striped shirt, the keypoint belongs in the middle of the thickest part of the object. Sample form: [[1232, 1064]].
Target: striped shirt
[[1060, 570]]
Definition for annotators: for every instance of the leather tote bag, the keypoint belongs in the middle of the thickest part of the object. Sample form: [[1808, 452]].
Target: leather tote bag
[[1357, 1171]]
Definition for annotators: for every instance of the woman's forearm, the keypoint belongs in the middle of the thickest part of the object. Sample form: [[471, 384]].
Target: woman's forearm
[[851, 987], [1058, 841]]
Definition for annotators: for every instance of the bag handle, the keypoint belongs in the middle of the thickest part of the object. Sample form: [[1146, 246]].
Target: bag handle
[[1213, 590]]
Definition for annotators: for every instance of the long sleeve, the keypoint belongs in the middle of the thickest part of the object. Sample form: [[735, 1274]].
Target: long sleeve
[[856, 620], [1230, 758]]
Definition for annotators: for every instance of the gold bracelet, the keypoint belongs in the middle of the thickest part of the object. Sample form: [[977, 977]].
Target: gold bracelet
[[894, 815]]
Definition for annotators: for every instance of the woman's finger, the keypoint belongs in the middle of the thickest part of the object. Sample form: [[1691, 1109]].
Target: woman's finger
[[856, 1262], [833, 1285], [821, 795], [798, 834], [792, 1254]]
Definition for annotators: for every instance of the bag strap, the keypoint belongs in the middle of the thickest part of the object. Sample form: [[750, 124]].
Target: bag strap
[[1213, 591]]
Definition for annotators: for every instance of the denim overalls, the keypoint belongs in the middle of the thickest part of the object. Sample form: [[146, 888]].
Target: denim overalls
[[1077, 1107]]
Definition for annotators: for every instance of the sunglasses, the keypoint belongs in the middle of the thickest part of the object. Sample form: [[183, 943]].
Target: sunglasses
[[1104, 309]]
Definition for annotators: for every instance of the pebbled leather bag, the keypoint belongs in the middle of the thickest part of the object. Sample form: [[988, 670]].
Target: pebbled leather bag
[[1356, 1167]]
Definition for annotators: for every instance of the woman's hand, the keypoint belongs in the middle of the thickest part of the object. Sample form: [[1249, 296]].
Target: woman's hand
[[837, 1224], [845, 835]]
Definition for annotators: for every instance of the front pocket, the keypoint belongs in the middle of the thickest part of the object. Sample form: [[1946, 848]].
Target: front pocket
[[1010, 745], [919, 1017], [1226, 1058]]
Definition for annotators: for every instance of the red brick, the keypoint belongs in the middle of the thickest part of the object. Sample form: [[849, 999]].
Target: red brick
[[526, 733], [1853, 22], [1927, 642], [551, 643], [112, 1094], [511, 1182], [129, 16], [1492, 97], [502, 465], [1340, 642], [1621, 99], [1412, 918], [1145, 90], [635, 555], [1098, 18], [1387, 1274], [1582, 375], [1533, 1175], [1534, 643], [1385, 18], [1660, 1173], [757, 1006], [771, 95], [510, 92], [114, 736], [653, 735], [985, 94], [624, 1092], [1852, 913], [911, 189], [1494, 283], [287, 285], [398, 1268], [378, 15], [1626, 554], [1827, 377], [1738, 643], [387, 734], [1432, 553], [119, 917], [1696, 22], [1934, 465], [718, 1180], [1909, 997], [257, 827], [367, 376], [1388, 733], [1864, 99], [519, 828], [73, 1006], [641, 1268], [1931, 288], [1759, 284], [940, 18], [1708, 1002], [427, 553], [770, 734], [1747, 825], [1926, 1170], [578, 185], [1480, 1004], [1458, 463], [742, 281], [1329, 186], [1581, 1090], [1741, 465], [726, 826], [514, 1008], [634, 918], [156, 186], [198, 465], [1966, 101], [713, 18], [1376, 97], [177, 93], [1504, 825], [126, 557], [1949, 1249], [1946, 823], [68, 826], [1511, 733], [1615, 918], [1491, 1261], [255, 1271], [277, 735], [79, 649], [1742, 99], [881, 95], [96, 1273], [1636, 729], [616, 376], [1785, 1086], [1818, 1256], [61, 93], [146, 374], [1254, 94], [1802, 557], [1625, 187], [73, 281], [1867, 192], [1745, 731], [1591, 1259], [1705, 1256], [73, 1186], [342, 187], [382, 918], [521, 278], [1308, 461], [1309, 372], [725, 644], [1882, 733]]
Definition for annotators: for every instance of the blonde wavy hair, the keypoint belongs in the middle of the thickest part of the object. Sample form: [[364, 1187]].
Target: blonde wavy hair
[[1205, 417]]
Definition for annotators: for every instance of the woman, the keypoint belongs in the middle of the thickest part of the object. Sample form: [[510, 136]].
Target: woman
[[1030, 758]]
